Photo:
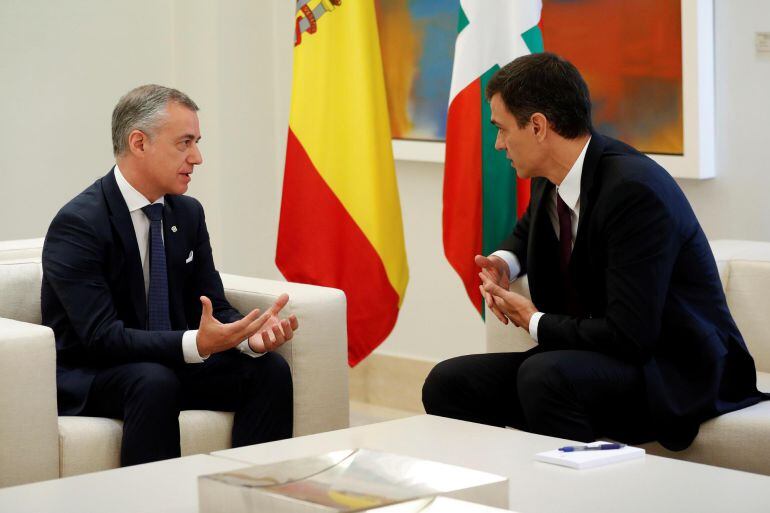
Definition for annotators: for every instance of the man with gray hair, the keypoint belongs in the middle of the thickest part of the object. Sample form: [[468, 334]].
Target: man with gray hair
[[142, 326]]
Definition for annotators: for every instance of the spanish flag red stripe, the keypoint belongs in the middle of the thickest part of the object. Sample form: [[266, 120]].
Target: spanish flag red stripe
[[327, 248], [462, 219], [340, 213], [482, 196]]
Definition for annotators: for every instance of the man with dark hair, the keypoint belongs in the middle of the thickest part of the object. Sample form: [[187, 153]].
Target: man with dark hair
[[635, 340], [142, 326]]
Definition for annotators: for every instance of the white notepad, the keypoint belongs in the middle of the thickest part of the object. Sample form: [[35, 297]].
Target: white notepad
[[590, 459]]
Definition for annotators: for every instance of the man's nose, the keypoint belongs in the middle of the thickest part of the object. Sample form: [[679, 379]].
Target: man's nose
[[195, 156], [499, 142]]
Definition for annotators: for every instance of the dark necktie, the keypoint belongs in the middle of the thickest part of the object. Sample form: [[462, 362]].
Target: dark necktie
[[157, 297], [565, 234], [565, 253]]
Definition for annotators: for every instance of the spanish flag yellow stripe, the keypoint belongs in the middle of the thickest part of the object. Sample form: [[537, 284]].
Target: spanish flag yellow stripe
[[339, 112]]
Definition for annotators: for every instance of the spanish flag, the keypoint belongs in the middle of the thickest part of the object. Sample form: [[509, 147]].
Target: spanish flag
[[340, 223], [482, 195]]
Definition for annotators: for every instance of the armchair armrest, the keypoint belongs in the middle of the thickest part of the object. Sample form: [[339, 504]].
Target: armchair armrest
[[29, 433], [317, 355]]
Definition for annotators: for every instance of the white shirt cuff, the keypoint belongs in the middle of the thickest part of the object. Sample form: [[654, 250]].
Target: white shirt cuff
[[514, 268], [190, 347], [533, 322], [245, 348]]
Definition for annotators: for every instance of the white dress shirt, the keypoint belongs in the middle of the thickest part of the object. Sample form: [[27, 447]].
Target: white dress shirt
[[569, 190], [135, 200]]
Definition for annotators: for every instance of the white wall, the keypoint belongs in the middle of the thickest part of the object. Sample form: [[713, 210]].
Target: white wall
[[734, 205], [64, 64], [437, 320], [228, 52]]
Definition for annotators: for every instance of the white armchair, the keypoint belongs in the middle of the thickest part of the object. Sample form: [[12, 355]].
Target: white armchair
[[741, 439], [37, 444]]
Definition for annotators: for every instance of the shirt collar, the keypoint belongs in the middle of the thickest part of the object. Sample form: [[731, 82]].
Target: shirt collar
[[133, 198], [569, 190]]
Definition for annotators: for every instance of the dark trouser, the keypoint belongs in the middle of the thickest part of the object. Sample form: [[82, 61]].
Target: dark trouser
[[149, 396], [578, 395]]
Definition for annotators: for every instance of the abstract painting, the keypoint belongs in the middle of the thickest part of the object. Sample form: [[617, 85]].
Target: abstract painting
[[630, 53], [417, 40]]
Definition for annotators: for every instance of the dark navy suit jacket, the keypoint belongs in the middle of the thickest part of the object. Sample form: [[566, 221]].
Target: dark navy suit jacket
[[93, 294], [647, 289]]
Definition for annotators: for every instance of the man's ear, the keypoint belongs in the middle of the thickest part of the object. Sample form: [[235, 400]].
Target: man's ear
[[137, 141], [539, 126]]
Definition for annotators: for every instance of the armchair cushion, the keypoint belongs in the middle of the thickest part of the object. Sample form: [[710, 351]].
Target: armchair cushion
[[90, 444], [738, 440]]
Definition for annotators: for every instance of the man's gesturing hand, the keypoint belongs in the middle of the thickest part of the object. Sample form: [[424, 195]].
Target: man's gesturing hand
[[496, 270], [214, 337], [514, 306], [275, 332]]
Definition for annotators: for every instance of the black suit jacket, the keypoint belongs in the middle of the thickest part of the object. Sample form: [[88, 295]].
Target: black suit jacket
[[93, 294], [647, 288]]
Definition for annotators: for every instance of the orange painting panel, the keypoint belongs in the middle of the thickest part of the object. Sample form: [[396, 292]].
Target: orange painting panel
[[630, 53]]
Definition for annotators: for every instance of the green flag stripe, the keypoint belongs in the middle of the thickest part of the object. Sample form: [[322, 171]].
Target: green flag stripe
[[533, 38], [498, 185], [462, 20], [498, 177]]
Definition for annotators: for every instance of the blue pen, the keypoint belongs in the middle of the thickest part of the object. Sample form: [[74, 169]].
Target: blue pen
[[602, 447]]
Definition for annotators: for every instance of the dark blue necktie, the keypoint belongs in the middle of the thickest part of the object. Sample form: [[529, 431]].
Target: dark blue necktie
[[157, 297]]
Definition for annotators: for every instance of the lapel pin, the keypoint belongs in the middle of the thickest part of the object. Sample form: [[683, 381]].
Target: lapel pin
[[173, 228]]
